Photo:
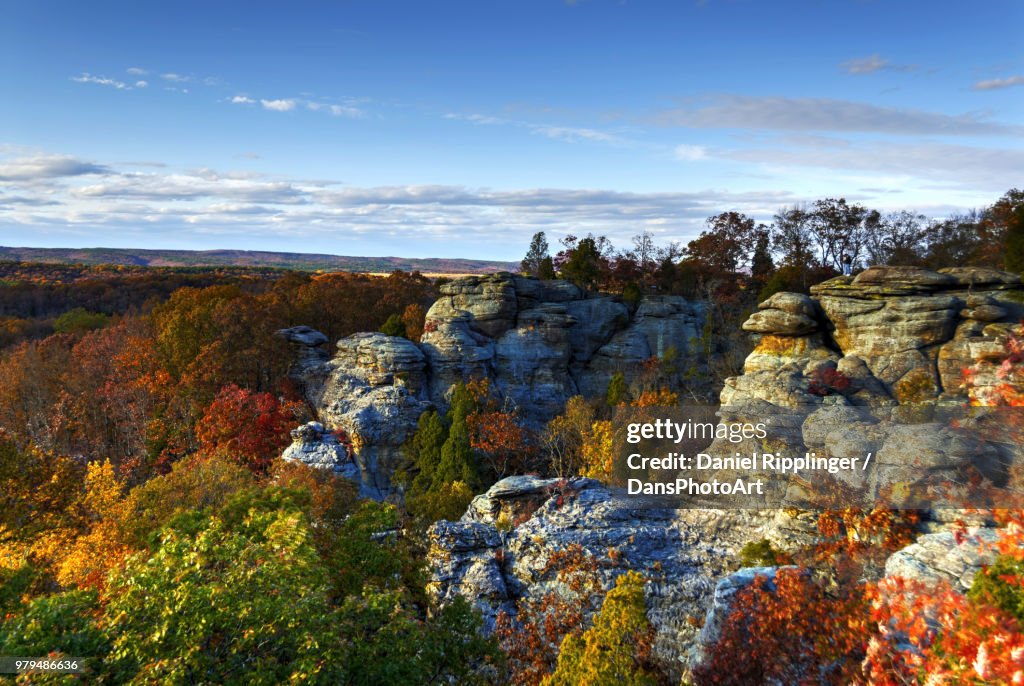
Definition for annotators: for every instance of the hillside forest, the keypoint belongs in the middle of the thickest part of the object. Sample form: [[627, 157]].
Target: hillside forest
[[148, 524]]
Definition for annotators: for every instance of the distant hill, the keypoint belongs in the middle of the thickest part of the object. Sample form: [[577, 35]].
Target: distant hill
[[253, 258]]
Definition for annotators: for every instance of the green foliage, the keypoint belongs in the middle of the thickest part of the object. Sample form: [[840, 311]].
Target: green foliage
[[583, 266], [442, 469], [63, 623], [546, 271], [999, 585], [357, 557], [1009, 211], [80, 320], [617, 392], [224, 604], [388, 644], [760, 554], [458, 463], [423, 451], [533, 263], [394, 326], [14, 585], [632, 294], [614, 651], [195, 484]]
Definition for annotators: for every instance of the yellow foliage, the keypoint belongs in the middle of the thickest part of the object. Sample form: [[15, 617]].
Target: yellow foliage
[[659, 398], [92, 555], [598, 451], [615, 650]]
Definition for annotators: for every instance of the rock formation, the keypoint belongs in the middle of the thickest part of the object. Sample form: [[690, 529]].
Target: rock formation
[[888, 340], [315, 446], [538, 343], [681, 552]]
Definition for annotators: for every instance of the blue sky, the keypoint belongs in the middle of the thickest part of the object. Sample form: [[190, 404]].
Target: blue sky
[[460, 128]]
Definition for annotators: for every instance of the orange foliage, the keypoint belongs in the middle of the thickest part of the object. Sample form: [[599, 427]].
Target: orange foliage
[[532, 638]]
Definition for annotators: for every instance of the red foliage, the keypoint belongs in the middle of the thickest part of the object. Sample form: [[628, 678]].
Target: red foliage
[[532, 638], [251, 428], [828, 380]]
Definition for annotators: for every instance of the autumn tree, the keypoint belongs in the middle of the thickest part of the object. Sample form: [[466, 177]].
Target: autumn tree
[[616, 649], [414, 318], [531, 638], [251, 428]]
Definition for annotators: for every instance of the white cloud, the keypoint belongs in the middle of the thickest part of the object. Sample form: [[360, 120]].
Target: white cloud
[[136, 71], [872, 64], [780, 113], [141, 84], [175, 78], [690, 153], [283, 105], [960, 165], [573, 134], [346, 111], [56, 194], [242, 100], [993, 84], [45, 166], [569, 134], [350, 111], [86, 77]]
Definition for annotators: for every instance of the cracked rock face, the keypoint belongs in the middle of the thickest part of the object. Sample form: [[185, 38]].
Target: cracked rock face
[[683, 553]]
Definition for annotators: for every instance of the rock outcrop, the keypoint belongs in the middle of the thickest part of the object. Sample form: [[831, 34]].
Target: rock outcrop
[[315, 446], [489, 559], [538, 343]]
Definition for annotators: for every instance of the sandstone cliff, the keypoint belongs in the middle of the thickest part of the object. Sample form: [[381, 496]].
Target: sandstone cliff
[[537, 342]]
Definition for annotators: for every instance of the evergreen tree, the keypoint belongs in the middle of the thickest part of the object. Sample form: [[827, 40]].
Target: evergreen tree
[[761, 264], [617, 393], [535, 256], [547, 269], [613, 652], [583, 266], [394, 326], [457, 460], [424, 451]]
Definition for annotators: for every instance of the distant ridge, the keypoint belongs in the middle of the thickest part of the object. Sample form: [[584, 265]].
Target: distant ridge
[[253, 258]]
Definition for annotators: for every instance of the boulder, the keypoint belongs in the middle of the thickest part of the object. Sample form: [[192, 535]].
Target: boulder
[[315, 446], [945, 557]]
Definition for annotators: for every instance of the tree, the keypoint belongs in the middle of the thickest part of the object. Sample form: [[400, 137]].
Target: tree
[[250, 428], [219, 599], [836, 228], [79, 320], [791, 237], [414, 318], [564, 436], [617, 393], [533, 263], [458, 461], [547, 269], [583, 266], [532, 637], [896, 239], [616, 650], [1008, 214], [394, 326], [761, 264]]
